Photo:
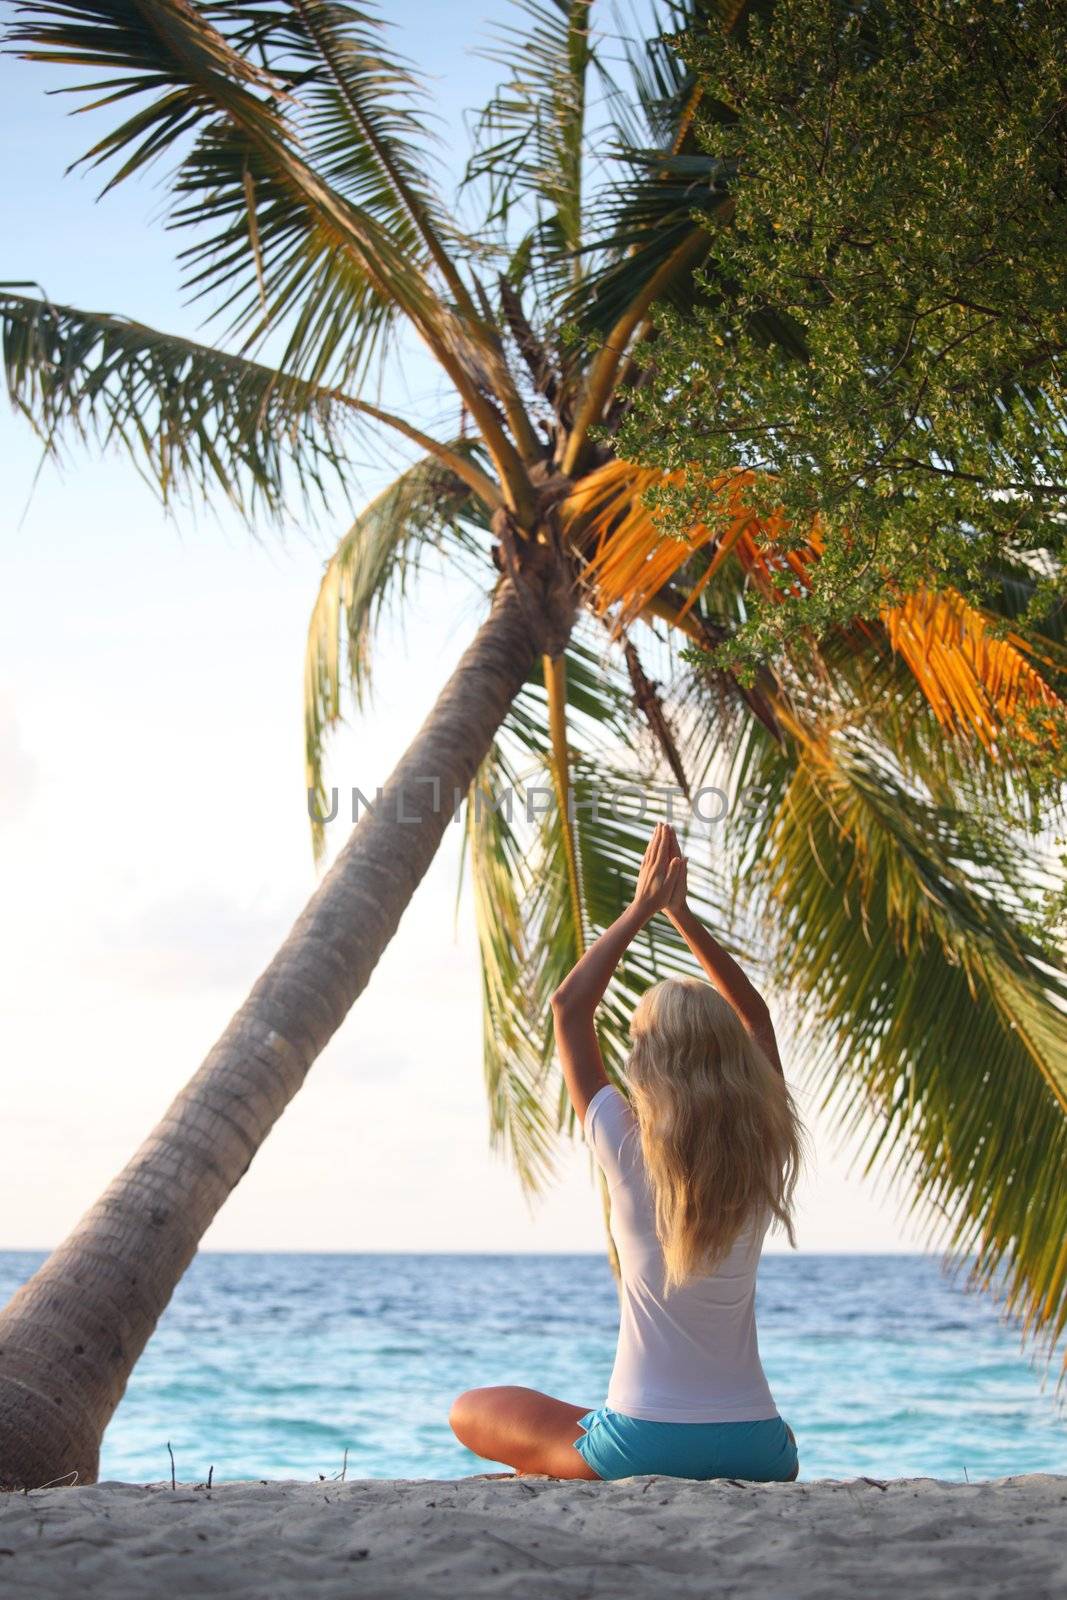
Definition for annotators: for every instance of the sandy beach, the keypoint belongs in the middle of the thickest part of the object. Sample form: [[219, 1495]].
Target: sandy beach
[[641, 1537]]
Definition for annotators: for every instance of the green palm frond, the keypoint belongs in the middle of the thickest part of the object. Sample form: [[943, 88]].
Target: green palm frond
[[365, 126], [530, 140], [264, 264], [521, 1119], [905, 924], [427, 506], [362, 123], [171, 50], [278, 242], [355, 114], [192, 418], [661, 180], [653, 213], [666, 186], [652, 109]]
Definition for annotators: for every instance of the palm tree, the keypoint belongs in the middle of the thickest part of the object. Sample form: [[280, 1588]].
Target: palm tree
[[314, 228]]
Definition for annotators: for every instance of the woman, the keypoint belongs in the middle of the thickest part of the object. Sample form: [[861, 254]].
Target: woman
[[697, 1167]]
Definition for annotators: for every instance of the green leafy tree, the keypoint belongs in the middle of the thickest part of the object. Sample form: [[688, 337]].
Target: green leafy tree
[[301, 181], [899, 172]]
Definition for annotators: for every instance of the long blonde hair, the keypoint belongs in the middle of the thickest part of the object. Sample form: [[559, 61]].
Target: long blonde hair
[[720, 1133]]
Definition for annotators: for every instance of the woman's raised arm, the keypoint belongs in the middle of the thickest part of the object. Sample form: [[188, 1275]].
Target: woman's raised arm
[[575, 1001], [721, 970]]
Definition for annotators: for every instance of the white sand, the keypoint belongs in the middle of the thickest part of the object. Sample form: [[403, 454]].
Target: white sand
[[646, 1538]]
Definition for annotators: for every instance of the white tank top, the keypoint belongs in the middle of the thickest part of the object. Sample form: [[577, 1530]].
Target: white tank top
[[691, 1356]]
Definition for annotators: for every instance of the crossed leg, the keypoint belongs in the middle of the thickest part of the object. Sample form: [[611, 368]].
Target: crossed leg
[[531, 1431], [795, 1474]]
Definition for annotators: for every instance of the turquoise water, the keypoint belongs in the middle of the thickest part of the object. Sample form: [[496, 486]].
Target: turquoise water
[[271, 1366]]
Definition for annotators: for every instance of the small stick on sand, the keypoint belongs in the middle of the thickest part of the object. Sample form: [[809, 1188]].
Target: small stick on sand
[[344, 1465], [210, 1475], [170, 1452]]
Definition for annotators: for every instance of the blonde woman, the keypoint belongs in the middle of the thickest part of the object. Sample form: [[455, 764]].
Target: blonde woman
[[699, 1162]]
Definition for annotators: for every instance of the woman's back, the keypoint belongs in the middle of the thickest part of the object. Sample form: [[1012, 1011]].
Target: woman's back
[[692, 1355]]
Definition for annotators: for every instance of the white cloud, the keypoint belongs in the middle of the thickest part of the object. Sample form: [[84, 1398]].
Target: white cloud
[[19, 774], [203, 938]]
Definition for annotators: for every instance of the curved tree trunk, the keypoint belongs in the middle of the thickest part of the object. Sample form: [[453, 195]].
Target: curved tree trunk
[[70, 1337]]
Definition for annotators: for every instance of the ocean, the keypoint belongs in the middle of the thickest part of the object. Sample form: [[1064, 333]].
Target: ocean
[[273, 1366]]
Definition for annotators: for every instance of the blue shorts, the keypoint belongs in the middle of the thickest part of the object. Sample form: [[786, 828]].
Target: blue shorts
[[617, 1446]]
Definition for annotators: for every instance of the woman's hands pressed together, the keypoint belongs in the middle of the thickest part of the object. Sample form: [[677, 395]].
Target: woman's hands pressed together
[[661, 882], [661, 886]]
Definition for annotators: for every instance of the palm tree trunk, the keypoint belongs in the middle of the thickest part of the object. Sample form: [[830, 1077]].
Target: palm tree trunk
[[70, 1337]]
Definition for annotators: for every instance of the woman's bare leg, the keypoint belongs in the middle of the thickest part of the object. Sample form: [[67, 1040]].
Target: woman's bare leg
[[531, 1431]]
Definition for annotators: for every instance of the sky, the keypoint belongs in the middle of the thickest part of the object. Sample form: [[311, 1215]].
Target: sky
[[154, 844]]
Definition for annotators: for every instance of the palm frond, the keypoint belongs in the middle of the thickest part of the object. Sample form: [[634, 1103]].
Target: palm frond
[[530, 140], [975, 679], [366, 131], [363, 127], [276, 239], [599, 383], [653, 109], [175, 49], [521, 1121], [191, 417], [978, 679], [904, 923], [427, 506], [665, 181], [664, 201], [278, 243]]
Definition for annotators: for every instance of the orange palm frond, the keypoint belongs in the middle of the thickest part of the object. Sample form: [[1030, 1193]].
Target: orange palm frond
[[630, 555], [974, 678]]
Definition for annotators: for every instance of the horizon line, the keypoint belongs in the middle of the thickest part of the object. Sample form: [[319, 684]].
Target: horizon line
[[311, 1250]]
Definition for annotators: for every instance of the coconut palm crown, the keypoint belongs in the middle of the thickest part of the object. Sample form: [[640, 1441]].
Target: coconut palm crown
[[871, 859]]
